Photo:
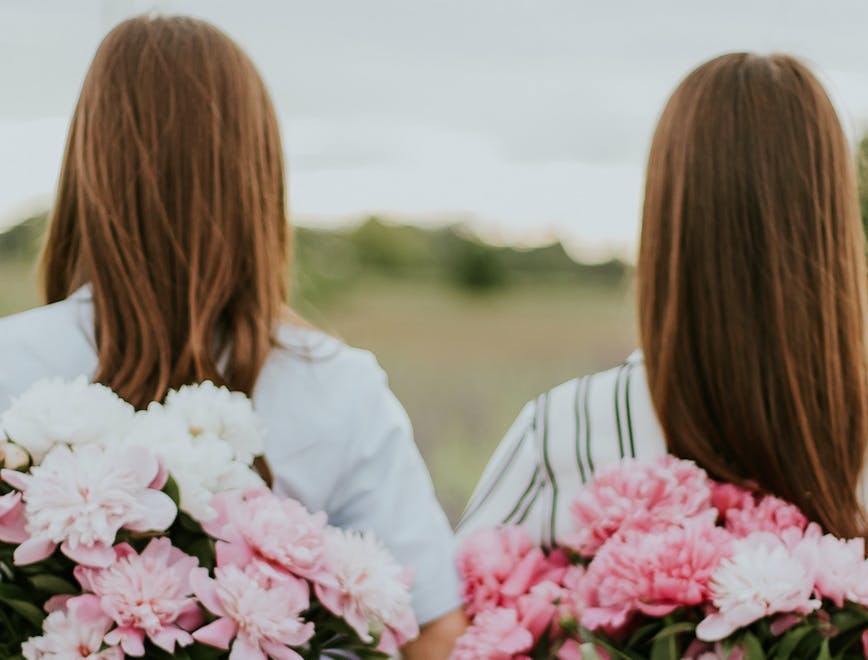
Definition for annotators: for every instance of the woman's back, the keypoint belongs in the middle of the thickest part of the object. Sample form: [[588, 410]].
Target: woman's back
[[336, 437], [752, 300]]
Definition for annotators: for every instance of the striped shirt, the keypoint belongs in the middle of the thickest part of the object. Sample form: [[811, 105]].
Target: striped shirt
[[557, 443]]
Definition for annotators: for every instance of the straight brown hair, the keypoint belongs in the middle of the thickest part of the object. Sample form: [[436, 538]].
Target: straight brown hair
[[171, 206], [752, 289]]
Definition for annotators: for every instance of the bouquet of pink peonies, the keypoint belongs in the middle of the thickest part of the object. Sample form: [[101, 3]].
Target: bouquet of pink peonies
[[664, 563], [149, 534]]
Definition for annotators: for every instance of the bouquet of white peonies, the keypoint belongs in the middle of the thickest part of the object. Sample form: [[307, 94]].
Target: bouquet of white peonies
[[149, 534]]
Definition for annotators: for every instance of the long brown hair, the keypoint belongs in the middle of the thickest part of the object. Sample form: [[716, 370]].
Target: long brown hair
[[752, 289], [171, 206]]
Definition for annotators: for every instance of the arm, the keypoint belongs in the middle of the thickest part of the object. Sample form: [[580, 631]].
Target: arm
[[437, 638], [385, 487]]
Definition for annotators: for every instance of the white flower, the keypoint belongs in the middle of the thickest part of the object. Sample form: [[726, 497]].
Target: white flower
[[64, 637], [372, 593], [54, 412], [201, 466], [761, 578], [215, 411], [13, 457], [82, 497]]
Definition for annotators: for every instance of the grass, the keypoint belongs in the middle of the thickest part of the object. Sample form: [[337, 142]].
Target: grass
[[462, 364]]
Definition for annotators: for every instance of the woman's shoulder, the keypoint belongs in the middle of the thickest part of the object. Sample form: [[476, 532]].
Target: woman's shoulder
[[608, 414], [52, 340], [595, 393], [320, 387], [307, 353]]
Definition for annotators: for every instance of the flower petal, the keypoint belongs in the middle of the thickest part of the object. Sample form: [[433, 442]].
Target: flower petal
[[158, 512], [15, 479], [218, 633], [245, 648], [98, 555], [239, 553], [205, 589], [132, 640], [167, 636], [33, 550]]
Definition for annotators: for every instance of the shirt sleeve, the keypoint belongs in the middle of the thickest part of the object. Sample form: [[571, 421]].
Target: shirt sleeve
[[512, 490], [385, 487]]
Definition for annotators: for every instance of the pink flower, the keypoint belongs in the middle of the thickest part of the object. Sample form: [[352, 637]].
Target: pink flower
[[762, 577], [840, 567], [72, 633], [729, 496], [637, 496], [147, 594], [539, 609], [495, 635], [12, 519], [570, 650], [262, 616], [82, 497], [491, 563], [652, 573], [770, 514], [277, 534], [371, 591]]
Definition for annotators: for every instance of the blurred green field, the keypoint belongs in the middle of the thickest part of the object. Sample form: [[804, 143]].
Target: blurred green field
[[462, 361]]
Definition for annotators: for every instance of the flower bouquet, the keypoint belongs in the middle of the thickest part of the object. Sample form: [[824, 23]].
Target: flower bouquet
[[149, 534], [664, 563]]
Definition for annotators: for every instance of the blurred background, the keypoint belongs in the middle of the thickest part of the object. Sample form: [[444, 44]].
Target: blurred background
[[465, 175]]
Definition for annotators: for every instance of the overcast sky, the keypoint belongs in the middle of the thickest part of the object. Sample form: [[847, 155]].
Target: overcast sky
[[532, 118]]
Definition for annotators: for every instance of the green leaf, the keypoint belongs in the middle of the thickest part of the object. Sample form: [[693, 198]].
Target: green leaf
[[52, 584], [752, 648], [790, 641], [643, 633], [825, 654], [171, 489], [29, 611], [665, 648], [675, 629], [845, 620]]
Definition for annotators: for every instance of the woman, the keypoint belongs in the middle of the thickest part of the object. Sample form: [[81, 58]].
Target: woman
[[165, 263], [752, 302]]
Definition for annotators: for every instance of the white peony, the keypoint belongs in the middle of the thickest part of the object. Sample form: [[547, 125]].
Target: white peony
[[209, 410], [81, 497], [55, 412], [762, 577], [372, 592], [201, 466]]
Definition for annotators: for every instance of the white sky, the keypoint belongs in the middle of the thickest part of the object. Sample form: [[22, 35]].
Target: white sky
[[530, 117]]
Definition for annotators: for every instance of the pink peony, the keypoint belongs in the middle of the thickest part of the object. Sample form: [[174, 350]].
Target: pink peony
[[277, 534], [12, 519], [769, 514], [258, 617], [637, 496], [147, 594], [493, 564], [840, 567], [82, 497], [729, 496], [539, 610], [652, 573], [762, 577], [72, 633], [495, 635], [371, 591]]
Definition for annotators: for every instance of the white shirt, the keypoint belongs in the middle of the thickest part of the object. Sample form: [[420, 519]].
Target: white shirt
[[337, 439], [557, 443]]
